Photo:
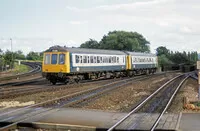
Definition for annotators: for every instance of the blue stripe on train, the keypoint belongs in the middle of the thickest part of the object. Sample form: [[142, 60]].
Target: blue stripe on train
[[140, 66]]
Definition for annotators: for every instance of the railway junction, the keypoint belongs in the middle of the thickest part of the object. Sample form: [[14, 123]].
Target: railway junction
[[144, 102]]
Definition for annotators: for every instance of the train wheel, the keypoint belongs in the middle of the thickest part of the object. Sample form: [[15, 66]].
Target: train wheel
[[66, 82], [53, 81], [77, 80], [147, 72]]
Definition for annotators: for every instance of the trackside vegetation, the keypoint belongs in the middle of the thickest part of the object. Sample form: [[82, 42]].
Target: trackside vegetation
[[21, 68], [8, 58], [167, 57]]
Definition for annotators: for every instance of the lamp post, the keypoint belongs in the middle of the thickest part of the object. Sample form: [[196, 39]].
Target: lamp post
[[11, 54]]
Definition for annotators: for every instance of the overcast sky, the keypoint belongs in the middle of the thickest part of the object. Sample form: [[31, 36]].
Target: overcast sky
[[35, 25]]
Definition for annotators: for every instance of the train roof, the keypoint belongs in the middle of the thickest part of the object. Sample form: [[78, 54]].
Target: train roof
[[96, 51], [85, 50], [140, 54]]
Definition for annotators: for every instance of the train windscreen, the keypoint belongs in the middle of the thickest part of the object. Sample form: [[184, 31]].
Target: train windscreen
[[54, 59]]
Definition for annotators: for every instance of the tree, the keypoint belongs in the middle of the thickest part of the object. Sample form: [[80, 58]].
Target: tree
[[9, 58], [120, 40], [2, 61], [19, 55], [33, 56], [162, 51], [163, 60], [175, 57], [90, 44]]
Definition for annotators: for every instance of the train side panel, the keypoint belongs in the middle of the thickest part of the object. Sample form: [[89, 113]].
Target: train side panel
[[81, 62]]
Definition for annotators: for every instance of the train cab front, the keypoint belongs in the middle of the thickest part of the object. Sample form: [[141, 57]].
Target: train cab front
[[55, 64]]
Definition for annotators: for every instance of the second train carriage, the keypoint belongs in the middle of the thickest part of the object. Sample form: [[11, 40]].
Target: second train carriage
[[62, 64], [142, 63]]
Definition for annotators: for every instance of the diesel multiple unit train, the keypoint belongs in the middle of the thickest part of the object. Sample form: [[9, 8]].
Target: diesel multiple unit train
[[63, 64]]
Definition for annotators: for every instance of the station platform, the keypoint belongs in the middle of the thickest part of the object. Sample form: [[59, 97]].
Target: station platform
[[91, 120], [190, 122]]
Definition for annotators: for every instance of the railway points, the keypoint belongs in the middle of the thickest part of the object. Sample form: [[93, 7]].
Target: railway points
[[36, 68], [40, 114]]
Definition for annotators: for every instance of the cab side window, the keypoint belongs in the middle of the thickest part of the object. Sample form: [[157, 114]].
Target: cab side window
[[61, 59], [47, 59]]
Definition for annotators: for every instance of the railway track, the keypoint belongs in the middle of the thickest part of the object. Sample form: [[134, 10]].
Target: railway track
[[13, 117], [194, 75], [36, 68], [9, 92], [157, 102], [19, 89]]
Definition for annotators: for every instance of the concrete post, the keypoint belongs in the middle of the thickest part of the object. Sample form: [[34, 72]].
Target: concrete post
[[199, 82], [19, 62], [198, 68]]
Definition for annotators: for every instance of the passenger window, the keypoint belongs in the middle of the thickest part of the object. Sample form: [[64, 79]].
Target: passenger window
[[104, 60], [117, 59], [98, 59], [62, 59], [91, 59], [47, 59], [107, 59], [95, 59], [114, 59], [101, 59], [110, 59], [88, 59], [84, 59], [81, 60], [54, 59], [77, 59]]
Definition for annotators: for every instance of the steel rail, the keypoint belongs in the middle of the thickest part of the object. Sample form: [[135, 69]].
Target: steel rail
[[169, 102], [68, 96], [142, 103], [36, 68], [10, 91], [63, 97], [49, 109]]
